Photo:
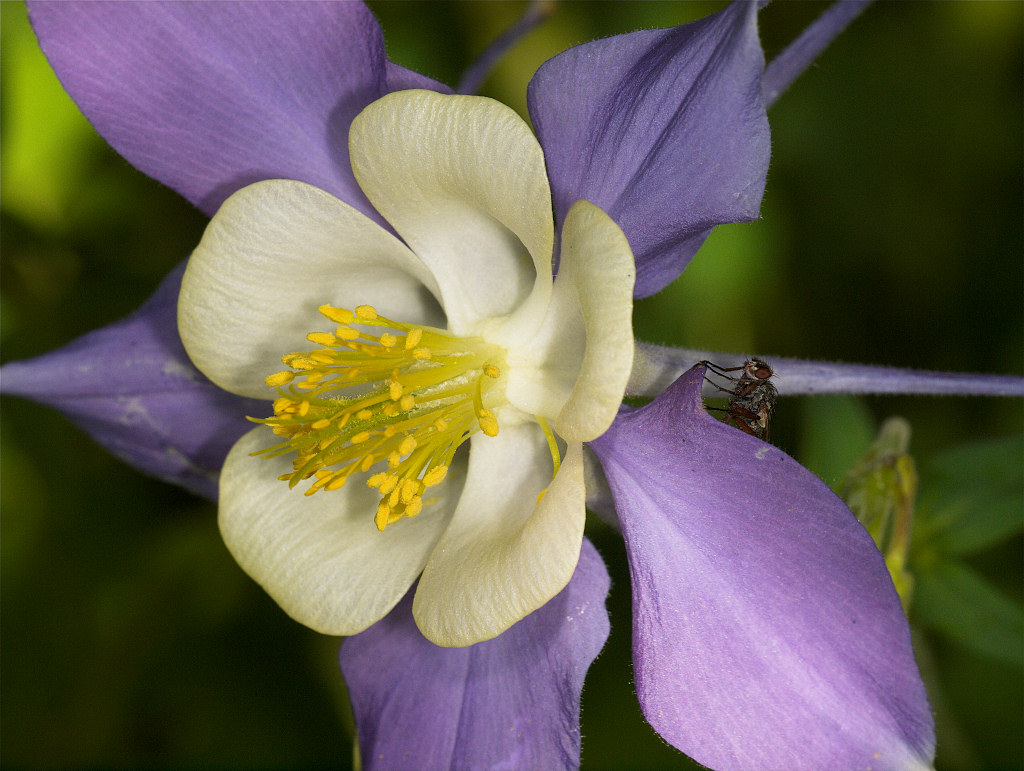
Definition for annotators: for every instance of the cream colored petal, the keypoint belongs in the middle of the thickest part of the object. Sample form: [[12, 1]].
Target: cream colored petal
[[274, 252], [504, 554], [462, 181], [575, 369], [598, 263], [321, 557]]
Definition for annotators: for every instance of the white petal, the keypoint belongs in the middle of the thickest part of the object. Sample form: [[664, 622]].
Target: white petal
[[576, 368], [321, 557], [598, 263], [503, 554], [462, 181], [274, 252]]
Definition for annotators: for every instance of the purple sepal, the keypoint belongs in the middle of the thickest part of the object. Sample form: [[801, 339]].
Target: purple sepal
[[766, 631], [131, 387], [663, 129], [209, 97], [801, 53], [512, 702], [474, 76]]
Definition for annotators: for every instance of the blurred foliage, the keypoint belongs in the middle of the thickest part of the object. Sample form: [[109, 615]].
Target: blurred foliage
[[891, 234]]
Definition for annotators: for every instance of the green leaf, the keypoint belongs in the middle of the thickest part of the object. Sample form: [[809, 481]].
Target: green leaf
[[954, 600], [836, 431], [984, 501]]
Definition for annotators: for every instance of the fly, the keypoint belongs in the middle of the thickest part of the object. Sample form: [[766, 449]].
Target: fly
[[751, 395]]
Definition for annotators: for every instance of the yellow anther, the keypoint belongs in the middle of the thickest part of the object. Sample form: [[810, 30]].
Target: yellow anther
[[406, 389], [435, 476], [279, 378], [410, 487], [322, 338], [488, 423], [380, 519], [337, 315], [285, 477], [319, 483], [377, 479]]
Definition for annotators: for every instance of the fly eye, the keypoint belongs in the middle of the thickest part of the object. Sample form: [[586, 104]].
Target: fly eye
[[762, 373]]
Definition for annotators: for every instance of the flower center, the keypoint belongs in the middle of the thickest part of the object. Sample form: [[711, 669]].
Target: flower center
[[419, 394]]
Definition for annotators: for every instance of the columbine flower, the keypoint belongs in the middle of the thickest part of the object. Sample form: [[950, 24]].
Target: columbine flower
[[766, 633], [458, 334]]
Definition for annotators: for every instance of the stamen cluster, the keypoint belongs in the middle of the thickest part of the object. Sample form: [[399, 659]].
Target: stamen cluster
[[407, 397]]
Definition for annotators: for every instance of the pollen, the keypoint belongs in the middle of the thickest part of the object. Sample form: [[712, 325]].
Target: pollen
[[280, 378], [379, 394]]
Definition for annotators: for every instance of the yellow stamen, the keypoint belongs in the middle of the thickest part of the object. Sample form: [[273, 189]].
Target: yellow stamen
[[322, 338], [381, 518], [279, 378], [404, 394], [556, 459], [366, 312], [337, 315], [488, 423], [436, 476]]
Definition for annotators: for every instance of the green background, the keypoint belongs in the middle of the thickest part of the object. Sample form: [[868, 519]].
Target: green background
[[891, 234]]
